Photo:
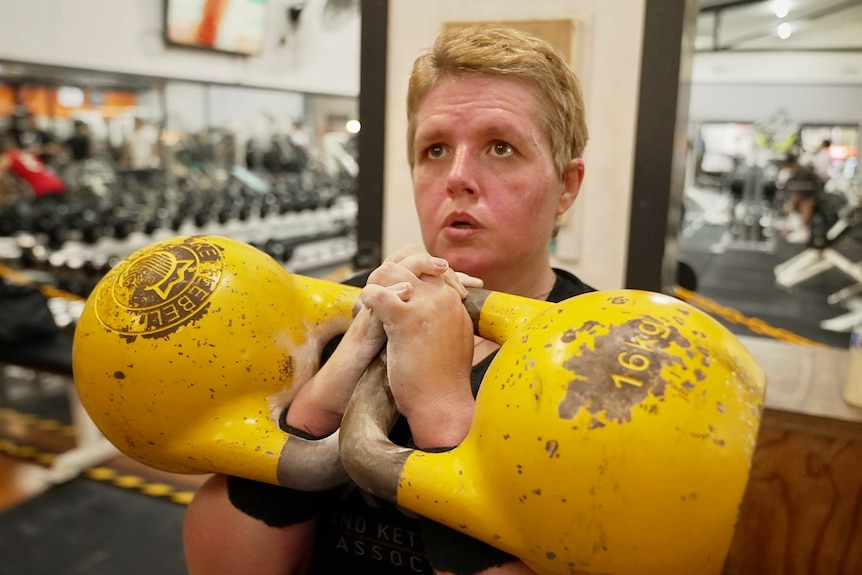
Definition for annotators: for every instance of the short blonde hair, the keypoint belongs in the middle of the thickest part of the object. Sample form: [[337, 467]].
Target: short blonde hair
[[494, 50]]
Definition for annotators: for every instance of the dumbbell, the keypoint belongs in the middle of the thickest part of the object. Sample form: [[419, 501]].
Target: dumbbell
[[187, 352], [268, 204], [225, 212], [32, 253], [156, 220], [612, 433], [123, 224], [245, 208], [203, 216]]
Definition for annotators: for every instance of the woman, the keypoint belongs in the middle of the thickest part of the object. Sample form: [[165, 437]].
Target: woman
[[495, 136]]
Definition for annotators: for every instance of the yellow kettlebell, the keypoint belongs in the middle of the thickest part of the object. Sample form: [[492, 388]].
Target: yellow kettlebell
[[613, 433], [189, 350], [186, 353]]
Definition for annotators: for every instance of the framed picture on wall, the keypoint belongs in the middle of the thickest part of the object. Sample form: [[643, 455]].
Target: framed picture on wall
[[230, 26]]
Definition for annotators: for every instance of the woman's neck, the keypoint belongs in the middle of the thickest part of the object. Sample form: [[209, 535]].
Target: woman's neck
[[531, 284]]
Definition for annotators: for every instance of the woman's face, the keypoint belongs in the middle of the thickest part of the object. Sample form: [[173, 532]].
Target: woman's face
[[486, 188]]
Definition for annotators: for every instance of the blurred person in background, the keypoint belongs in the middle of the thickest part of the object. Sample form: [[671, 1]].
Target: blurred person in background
[[803, 188], [822, 161], [78, 150], [24, 174], [28, 136], [141, 157], [78, 145]]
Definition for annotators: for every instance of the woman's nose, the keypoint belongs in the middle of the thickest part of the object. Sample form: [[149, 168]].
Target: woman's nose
[[462, 174]]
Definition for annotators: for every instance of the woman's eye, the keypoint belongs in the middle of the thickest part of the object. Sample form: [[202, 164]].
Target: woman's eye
[[502, 149], [436, 151]]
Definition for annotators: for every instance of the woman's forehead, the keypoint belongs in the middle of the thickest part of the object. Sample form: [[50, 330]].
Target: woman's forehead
[[480, 100]]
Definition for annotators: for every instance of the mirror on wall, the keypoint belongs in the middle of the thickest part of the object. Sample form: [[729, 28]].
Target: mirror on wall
[[771, 224]]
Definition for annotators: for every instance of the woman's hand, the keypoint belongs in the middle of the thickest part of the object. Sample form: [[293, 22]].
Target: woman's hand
[[319, 404], [429, 343], [418, 262]]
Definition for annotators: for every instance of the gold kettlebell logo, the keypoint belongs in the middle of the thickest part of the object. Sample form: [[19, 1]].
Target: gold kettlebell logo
[[160, 289]]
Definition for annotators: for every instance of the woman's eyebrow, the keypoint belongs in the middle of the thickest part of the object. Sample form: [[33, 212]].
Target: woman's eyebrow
[[429, 135]]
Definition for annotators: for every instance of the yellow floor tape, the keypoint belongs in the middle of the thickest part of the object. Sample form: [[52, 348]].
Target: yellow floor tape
[[47, 290], [104, 474], [737, 317], [159, 490]]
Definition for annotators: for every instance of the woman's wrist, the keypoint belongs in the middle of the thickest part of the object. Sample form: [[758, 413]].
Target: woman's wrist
[[319, 406], [441, 423]]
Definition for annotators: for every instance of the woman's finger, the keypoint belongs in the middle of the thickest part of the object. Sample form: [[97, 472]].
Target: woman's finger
[[385, 301], [469, 281]]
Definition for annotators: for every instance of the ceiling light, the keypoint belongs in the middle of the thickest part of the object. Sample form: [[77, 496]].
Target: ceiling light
[[781, 8], [784, 30]]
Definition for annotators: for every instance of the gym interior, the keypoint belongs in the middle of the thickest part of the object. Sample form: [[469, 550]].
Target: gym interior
[[289, 137]]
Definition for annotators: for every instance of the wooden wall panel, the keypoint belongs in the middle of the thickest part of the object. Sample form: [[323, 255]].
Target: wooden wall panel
[[802, 512], [561, 34]]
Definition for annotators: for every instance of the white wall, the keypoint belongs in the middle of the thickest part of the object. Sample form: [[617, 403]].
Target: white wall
[[595, 241], [254, 112], [808, 87], [186, 106], [127, 36], [818, 68], [804, 103]]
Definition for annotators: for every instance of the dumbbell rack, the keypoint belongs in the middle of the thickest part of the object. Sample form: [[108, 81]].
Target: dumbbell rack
[[75, 245]]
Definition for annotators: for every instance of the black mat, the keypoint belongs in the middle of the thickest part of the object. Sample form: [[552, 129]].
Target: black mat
[[53, 406], [745, 281], [86, 527], [52, 354]]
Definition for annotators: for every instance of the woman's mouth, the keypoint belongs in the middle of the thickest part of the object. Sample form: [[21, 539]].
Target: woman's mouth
[[461, 221], [460, 228]]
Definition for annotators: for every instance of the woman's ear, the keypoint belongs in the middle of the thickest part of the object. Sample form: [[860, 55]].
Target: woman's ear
[[572, 180]]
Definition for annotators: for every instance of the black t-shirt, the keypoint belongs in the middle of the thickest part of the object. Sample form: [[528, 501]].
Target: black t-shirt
[[359, 534], [79, 147]]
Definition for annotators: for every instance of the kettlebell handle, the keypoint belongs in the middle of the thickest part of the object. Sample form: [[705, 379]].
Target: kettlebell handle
[[311, 464], [364, 431], [497, 315]]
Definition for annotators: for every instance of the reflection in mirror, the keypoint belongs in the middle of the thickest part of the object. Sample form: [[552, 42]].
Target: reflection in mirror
[[96, 170], [772, 226]]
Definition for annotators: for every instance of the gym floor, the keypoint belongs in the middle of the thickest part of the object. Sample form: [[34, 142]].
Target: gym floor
[[735, 266], [122, 517]]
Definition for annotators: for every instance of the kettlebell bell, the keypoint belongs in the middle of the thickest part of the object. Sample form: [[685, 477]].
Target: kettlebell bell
[[612, 433]]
